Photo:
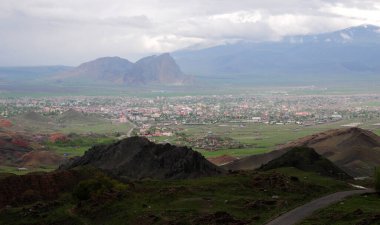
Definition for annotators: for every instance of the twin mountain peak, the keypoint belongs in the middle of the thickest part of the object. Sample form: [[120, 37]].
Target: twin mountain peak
[[161, 69]]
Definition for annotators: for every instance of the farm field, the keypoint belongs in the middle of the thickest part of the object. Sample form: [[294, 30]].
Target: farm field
[[262, 137]]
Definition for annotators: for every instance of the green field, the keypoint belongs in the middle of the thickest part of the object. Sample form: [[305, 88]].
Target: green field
[[263, 137]]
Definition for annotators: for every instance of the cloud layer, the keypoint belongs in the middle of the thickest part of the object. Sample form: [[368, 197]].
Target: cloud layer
[[42, 32]]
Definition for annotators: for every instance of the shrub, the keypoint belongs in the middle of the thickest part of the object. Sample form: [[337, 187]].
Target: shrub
[[97, 187]]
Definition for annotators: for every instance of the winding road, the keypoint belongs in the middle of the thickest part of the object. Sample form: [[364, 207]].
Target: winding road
[[298, 214]]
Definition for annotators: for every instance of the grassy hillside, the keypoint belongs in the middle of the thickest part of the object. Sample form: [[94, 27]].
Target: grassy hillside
[[242, 198]]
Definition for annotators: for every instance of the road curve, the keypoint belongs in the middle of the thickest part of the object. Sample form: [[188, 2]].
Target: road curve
[[298, 214]]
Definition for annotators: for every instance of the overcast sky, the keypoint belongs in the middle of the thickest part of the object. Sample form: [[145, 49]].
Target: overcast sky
[[69, 32]]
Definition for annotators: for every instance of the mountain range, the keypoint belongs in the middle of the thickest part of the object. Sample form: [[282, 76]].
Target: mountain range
[[348, 55], [345, 54]]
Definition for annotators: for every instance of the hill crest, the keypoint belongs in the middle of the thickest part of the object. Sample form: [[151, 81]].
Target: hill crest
[[306, 159], [138, 158]]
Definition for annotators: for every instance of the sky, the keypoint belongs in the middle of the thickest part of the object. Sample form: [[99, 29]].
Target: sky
[[70, 32]]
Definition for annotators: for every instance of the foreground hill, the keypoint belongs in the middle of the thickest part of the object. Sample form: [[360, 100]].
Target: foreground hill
[[87, 196], [138, 158], [306, 159], [354, 150], [161, 69]]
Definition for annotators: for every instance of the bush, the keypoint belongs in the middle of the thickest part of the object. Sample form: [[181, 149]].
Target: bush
[[96, 187]]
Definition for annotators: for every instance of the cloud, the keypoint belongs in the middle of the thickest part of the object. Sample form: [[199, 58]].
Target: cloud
[[36, 32]]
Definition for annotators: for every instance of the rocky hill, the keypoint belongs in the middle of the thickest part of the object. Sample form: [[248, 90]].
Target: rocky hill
[[354, 150], [105, 68], [13, 147], [138, 158], [306, 159], [73, 116], [19, 149], [155, 69]]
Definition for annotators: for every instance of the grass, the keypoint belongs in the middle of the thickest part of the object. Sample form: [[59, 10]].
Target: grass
[[314, 178], [183, 201], [78, 145], [240, 152], [14, 170], [100, 128], [359, 209]]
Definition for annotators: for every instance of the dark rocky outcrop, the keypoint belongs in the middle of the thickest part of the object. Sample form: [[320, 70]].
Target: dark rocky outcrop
[[138, 158], [306, 159]]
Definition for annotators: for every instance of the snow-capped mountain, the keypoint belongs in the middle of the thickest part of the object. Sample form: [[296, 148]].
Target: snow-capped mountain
[[363, 33], [353, 52]]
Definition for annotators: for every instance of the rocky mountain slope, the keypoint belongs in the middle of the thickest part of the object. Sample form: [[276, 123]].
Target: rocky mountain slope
[[138, 158], [354, 150]]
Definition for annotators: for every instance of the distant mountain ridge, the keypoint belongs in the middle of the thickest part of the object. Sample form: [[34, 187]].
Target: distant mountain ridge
[[17, 73], [350, 53], [359, 34], [161, 69]]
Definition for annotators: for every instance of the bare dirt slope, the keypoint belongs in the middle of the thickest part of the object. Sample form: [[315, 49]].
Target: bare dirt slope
[[354, 150]]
